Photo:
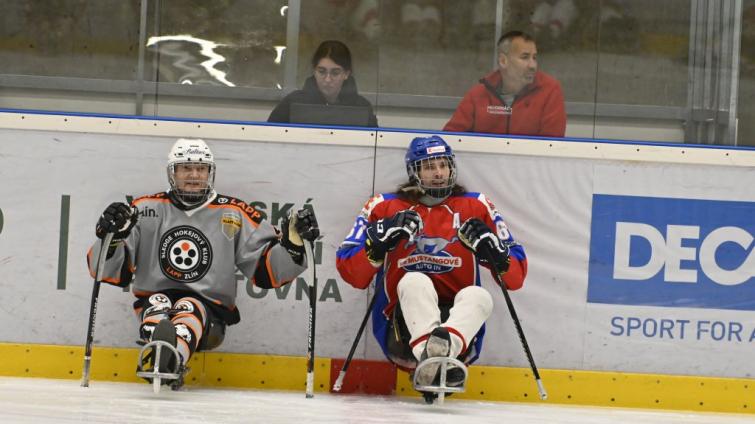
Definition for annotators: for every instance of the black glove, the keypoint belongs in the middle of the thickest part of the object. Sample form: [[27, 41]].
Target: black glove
[[119, 219], [477, 237], [298, 227], [306, 225], [384, 234]]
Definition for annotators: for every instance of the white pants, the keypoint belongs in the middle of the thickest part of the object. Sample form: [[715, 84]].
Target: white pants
[[419, 305]]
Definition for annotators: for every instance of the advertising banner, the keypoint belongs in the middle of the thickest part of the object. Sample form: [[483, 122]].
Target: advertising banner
[[637, 267]]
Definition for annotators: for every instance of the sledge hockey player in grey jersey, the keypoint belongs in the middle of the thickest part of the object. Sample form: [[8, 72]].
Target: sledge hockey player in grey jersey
[[181, 249]]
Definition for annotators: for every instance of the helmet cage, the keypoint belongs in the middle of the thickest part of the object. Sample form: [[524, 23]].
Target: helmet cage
[[192, 197], [421, 151], [437, 191], [193, 152]]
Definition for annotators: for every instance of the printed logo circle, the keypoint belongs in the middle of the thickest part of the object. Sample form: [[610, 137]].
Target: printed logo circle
[[185, 254]]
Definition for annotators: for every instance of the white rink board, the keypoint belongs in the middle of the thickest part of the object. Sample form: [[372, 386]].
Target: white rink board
[[94, 170], [547, 201]]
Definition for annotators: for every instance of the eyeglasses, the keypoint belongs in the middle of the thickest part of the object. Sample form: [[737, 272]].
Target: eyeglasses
[[334, 73]]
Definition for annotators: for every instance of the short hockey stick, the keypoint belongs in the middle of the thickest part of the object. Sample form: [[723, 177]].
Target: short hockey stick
[[515, 318], [104, 247], [339, 381], [312, 282]]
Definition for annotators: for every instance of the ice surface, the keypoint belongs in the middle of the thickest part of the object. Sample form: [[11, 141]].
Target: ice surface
[[42, 401]]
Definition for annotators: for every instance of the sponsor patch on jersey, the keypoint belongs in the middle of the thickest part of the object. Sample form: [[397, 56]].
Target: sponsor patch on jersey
[[430, 256], [499, 110], [148, 212], [185, 254], [231, 224]]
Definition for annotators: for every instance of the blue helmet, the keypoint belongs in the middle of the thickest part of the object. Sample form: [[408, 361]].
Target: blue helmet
[[424, 149]]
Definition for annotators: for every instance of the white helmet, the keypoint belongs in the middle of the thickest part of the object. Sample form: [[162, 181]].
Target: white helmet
[[191, 151]]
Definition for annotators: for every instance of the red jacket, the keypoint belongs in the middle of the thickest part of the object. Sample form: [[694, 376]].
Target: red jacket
[[537, 110]]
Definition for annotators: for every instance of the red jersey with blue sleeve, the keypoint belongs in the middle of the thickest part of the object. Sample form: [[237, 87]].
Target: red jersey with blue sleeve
[[436, 251]]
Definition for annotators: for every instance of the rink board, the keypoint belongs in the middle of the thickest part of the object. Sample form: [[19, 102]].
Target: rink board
[[641, 257], [487, 383]]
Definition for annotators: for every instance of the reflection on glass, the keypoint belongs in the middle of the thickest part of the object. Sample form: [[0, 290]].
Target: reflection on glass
[[248, 34], [195, 57]]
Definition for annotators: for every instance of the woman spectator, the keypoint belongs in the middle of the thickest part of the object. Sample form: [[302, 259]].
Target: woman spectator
[[332, 83]]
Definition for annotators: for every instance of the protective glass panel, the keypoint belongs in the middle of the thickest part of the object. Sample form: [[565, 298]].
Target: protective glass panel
[[69, 55], [70, 38], [642, 69], [674, 71], [746, 94], [220, 43]]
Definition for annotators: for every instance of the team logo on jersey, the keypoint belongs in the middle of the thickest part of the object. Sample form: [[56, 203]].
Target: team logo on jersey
[[430, 256], [222, 200], [185, 254], [231, 224]]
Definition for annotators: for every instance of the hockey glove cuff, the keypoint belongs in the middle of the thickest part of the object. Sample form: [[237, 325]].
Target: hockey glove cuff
[[297, 227], [306, 225], [384, 234], [119, 219], [476, 236]]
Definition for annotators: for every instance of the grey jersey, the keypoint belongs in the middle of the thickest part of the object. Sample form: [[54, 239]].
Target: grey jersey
[[198, 250]]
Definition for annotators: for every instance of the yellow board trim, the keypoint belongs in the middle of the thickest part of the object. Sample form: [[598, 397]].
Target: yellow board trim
[[211, 369], [217, 369], [602, 388]]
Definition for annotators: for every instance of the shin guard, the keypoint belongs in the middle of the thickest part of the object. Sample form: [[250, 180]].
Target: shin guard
[[158, 310], [190, 318]]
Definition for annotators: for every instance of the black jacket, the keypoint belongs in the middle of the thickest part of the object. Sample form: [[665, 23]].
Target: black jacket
[[310, 94]]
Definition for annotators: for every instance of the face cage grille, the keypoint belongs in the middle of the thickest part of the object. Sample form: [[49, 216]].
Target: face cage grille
[[191, 198], [434, 191]]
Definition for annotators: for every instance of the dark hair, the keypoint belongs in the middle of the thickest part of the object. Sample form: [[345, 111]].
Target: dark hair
[[336, 51], [505, 41], [410, 192]]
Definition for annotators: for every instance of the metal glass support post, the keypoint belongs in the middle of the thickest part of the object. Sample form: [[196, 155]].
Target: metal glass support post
[[138, 109], [715, 31], [498, 30], [291, 55], [736, 38]]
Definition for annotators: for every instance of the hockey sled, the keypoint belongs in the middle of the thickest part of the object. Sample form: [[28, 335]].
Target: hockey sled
[[440, 385], [151, 355]]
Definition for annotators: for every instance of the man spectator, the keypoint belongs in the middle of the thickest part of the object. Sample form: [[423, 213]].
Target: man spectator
[[514, 99]]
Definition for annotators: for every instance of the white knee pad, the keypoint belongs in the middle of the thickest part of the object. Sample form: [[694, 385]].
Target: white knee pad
[[419, 305], [415, 283], [476, 297], [472, 307]]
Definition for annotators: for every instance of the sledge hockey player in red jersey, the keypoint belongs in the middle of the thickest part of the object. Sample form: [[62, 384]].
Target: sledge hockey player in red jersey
[[423, 245], [181, 248]]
